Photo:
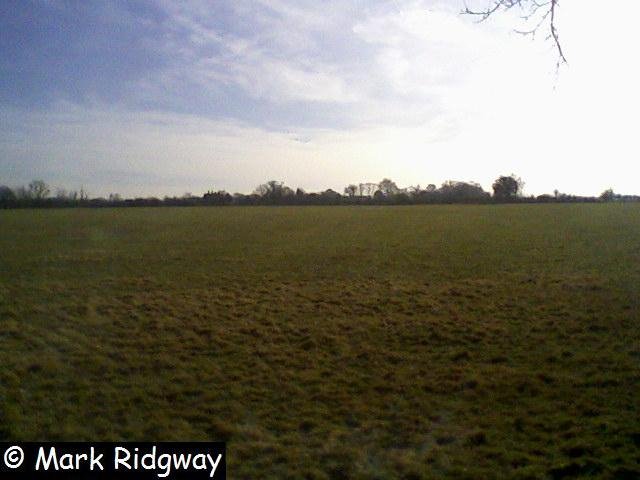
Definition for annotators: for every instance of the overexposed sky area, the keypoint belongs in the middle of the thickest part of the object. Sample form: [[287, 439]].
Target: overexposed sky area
[[159, 97]]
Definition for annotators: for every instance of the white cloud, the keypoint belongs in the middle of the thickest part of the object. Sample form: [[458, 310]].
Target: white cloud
[[394, 57]]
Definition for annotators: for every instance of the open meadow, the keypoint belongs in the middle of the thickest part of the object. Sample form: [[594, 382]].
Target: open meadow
[[496, 341]]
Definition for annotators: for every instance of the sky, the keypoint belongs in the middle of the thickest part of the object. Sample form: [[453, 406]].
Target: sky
[[158, 97]]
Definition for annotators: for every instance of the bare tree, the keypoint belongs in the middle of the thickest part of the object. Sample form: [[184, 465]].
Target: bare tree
[[537, 15], [273, 190], [415, 190], [388, 187], [351, 190], [38, 190], [367, 189]]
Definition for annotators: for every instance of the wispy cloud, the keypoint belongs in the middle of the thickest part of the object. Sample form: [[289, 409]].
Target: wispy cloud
[[350, 64]]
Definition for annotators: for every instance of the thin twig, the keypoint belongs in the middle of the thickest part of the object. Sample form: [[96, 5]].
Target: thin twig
[[536, 11]]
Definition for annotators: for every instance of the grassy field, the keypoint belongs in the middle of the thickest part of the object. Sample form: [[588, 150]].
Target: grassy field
[[332, 342]]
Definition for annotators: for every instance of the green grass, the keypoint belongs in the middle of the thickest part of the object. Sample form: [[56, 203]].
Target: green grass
[[332, 342]]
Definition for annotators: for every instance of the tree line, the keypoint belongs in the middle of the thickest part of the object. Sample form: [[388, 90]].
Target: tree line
[[506, 189]]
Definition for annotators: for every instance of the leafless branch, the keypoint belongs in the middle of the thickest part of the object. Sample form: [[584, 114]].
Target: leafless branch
[[536, 14]]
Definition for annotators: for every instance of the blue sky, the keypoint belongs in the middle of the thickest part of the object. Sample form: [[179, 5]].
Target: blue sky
[[162, 97]]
